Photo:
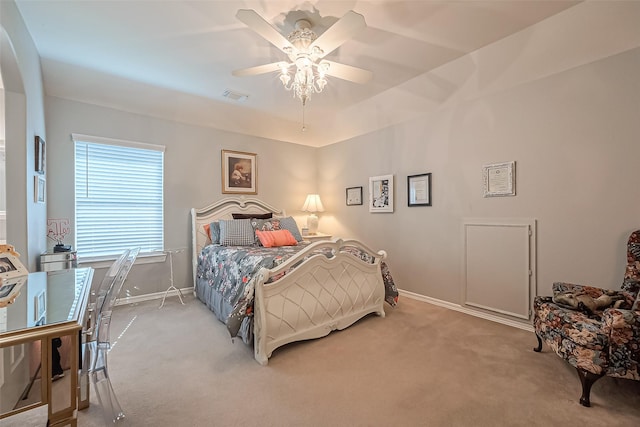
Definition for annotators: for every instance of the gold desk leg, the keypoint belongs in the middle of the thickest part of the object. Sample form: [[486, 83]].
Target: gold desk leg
[[66, 416]]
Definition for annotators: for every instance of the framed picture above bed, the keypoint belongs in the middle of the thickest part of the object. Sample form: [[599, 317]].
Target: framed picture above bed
[[239, 172]]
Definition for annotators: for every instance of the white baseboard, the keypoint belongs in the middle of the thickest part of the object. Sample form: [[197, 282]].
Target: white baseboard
[[466, 310], [153, 296], [408, 294]]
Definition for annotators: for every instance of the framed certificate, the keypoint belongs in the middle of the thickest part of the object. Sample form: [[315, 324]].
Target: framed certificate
[[419, 190], [354, 196], [499, 179]]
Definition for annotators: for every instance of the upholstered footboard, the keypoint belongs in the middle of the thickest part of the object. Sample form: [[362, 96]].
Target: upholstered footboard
[[320, 295]]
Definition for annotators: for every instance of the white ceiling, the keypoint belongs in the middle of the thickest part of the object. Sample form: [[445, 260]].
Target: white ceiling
[[173, 59]]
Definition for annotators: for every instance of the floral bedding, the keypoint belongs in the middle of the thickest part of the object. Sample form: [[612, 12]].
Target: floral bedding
[[230, 273]]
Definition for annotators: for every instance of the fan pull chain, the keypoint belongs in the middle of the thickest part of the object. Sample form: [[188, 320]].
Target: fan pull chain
[[304, 128]]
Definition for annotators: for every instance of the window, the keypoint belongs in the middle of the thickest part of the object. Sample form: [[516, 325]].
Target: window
[[119, 197]]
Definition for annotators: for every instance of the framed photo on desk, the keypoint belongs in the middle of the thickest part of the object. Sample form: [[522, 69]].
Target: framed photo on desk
[[10, 266]]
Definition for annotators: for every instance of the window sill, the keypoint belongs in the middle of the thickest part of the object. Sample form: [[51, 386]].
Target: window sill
[[104, 262]]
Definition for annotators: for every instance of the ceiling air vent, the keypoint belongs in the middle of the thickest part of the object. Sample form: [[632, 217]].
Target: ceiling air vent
[[235, 96]]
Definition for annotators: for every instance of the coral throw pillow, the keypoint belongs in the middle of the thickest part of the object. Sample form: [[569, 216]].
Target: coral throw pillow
[[270, 239]]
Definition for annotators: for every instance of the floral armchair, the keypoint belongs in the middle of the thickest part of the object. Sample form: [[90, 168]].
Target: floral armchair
[[596, 343]]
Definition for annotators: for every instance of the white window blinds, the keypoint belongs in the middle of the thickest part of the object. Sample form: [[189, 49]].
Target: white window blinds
[[119, 196]]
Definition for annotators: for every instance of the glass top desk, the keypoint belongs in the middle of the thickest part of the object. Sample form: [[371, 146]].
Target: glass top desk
[[34, 310]]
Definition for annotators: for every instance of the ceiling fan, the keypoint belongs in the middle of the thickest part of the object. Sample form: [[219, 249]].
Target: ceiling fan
[[306, 69]]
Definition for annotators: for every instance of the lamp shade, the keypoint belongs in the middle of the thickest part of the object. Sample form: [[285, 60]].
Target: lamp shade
[[313, 204]]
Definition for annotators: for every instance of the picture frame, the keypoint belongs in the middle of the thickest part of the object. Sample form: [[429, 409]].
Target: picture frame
[[40, 155], [39, 305], [499, 179], [11, 267], [39, 189], [239, 172], [381, 193], [353, 196], [419, 190], [10, 290]]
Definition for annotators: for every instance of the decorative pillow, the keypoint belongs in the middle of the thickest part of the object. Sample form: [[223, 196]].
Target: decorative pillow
[[249, 216], [288, 223], [270, 239], [207, 230], [236, 232], [264, 225], [213, 232]]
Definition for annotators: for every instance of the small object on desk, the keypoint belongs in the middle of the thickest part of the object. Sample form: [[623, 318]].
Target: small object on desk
[[316, 237], [62, 248], [172, 286]]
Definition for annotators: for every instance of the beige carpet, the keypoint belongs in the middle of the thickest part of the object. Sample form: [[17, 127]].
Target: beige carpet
[[422, 365]]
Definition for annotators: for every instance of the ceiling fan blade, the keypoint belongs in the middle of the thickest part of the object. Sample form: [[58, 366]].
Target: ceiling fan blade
[[347, 72], [260, 69], [344, 29], [258, 24]]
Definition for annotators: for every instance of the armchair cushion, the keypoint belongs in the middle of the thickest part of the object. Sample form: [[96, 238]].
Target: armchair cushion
[[562, 324], [623, 329], [590, 300]]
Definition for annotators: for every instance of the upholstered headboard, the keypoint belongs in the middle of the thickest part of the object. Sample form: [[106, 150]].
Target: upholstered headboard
[[222, 209]]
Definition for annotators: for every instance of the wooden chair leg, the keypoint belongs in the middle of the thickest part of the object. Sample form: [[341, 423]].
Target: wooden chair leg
[[538, 349], [587, 379]]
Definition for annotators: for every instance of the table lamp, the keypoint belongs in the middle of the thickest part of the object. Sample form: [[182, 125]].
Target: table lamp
[[312, 205]]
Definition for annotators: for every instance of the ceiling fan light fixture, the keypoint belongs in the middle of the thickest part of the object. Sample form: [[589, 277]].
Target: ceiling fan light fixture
[[306, 72]]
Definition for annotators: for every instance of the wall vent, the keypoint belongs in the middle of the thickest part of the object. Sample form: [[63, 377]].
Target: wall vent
[[235, 96]]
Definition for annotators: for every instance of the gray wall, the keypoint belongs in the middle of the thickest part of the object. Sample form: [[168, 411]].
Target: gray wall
[[24, 118], [573, 133], [286, 173]]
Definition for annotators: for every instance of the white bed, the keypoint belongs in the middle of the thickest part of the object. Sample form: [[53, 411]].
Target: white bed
[[322, 294]]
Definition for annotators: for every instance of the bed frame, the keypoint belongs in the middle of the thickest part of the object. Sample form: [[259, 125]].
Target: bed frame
[[320, 295]]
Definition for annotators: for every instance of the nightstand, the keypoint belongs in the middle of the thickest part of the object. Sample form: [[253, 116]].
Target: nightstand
[[53, 261], [316, 237]]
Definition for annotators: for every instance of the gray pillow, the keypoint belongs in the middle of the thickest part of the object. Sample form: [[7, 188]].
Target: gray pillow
[[236, 232], [288, 223], [214, 231], [264, 225]]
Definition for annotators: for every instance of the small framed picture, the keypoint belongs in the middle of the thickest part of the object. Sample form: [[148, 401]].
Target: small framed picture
[[499, 179], [239, 172], [40, 155], [381, 193], [39, 189], [354, 196], [419, 190], [39, 305], [10, 267]]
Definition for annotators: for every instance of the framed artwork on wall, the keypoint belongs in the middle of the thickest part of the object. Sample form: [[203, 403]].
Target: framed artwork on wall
[[39, 189], [239, 172], [40, 155], [354, 196], [419, 190], [499, 179], [381, 193]]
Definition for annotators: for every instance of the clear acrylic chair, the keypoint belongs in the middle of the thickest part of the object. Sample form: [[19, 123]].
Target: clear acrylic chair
[[101, 345], [89, 333]]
